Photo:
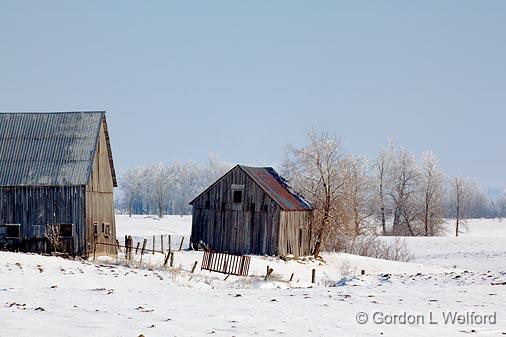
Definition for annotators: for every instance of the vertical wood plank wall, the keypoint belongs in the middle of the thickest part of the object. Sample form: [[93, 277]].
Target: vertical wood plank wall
[[294, 233], [35, 207], [99, 200]]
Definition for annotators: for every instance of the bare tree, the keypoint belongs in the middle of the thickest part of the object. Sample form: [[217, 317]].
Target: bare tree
[[132, 186], [501, 205], [53, 236], [405, 185], [432, 193], [162, 179], [381, 168], [462, 191], [358, 198], [315, 171]]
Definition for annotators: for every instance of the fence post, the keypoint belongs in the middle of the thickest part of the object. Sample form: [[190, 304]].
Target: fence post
[[171, 260], [169, 243], [143, 247], [137, 248], [161, 242], [269, 272], [181, 245], [194, 266], [313, 276], [291, 278], [166, 259], [154, 238]]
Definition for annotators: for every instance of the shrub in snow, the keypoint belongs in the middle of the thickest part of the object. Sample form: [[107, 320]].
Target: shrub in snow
[[373, 246]]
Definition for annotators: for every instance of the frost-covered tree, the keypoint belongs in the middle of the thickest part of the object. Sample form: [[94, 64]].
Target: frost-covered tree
[[431, 180], [405, 185], [132, 186], [461, 193], [166, 188], [358, 199], [161, 178], [381, 169], [315, 170]]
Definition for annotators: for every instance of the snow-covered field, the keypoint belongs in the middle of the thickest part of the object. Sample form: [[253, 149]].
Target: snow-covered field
[[49, 296]]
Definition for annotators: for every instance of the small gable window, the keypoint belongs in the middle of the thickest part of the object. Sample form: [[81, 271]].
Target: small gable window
[[237, 196]]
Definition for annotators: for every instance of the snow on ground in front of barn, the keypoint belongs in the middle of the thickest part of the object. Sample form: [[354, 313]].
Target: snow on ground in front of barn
[[51, 296]]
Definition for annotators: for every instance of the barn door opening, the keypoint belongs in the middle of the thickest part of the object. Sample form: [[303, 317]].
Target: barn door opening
[[67, 236], [252, 228]]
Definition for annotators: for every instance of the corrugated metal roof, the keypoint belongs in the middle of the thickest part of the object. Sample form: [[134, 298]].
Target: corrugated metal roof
[[47, 148], [277, 187]]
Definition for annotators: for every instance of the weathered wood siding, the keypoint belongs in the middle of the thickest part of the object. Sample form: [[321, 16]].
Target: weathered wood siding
[[294, 233], [236, 228], [35, 207], [99, 200]]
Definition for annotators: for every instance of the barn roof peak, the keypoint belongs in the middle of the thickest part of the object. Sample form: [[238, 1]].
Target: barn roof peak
[[50, 148], [277, 187], [273, 184]]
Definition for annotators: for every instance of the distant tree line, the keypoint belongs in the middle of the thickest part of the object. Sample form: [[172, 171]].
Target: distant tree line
[[166, 188]]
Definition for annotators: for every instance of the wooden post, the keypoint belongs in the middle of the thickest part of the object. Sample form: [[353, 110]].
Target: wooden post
[[194, 266], [128, 248], [126, 238], [117, 246], [137, 248], [153, 251], [94, 251], [313, 276], [161, 242], [166, 259], [143, 247], [269, 272], [291, 278], [171, 260], [144, 243], [169, 243], [181, 245]]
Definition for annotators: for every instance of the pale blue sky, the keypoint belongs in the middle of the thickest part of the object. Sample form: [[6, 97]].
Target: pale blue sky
[[244, 78]]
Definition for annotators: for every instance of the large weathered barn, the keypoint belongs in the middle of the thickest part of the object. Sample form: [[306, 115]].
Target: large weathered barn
[[251, 210], [56, 169]]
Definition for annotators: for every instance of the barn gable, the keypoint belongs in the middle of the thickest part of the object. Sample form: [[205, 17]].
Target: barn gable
[[49, 149], [273, 184]]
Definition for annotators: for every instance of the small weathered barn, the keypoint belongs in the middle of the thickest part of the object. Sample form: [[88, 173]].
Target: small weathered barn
[[251, 210], [56, 169]]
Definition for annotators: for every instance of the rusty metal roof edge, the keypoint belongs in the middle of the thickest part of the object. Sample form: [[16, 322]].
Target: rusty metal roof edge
[[284, 185]]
